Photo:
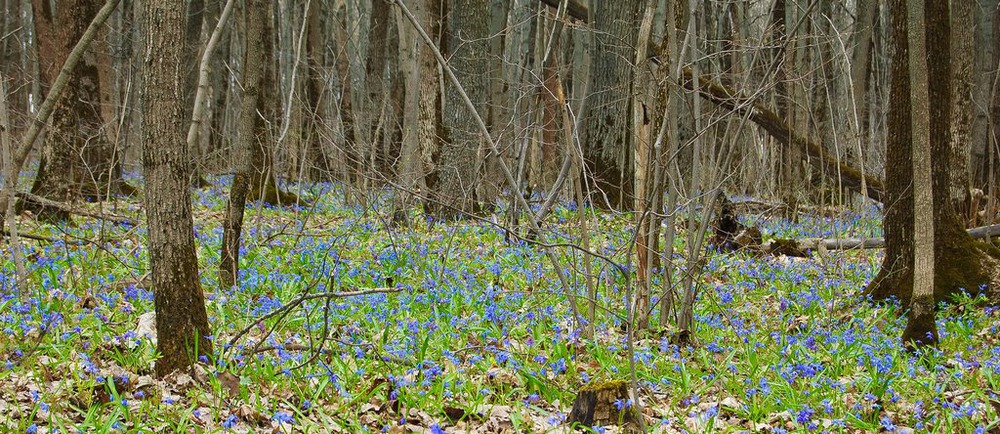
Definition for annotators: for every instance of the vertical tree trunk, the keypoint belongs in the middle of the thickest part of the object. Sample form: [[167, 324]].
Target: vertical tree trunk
[[316, 154], [920, 326], [250, 132], [181, 319], [608, 144], [429, 118], [469, 48], [78, 160], [985, 73], [962, 46], [960, 264], [860, 69], [195, 38], [410, 169], [263, 179]]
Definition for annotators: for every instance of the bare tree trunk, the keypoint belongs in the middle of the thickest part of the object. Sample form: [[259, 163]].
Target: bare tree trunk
[[962, 46], [920, 326], [429, 118], [461, 157], [316, 154], [181, 318], [410, 169], [78, 160], [263, 179], [608, 146], [250, 132], [959, 263], [984, 88]]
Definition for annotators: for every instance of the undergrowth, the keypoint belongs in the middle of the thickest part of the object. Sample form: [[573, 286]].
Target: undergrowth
[[478, 338]]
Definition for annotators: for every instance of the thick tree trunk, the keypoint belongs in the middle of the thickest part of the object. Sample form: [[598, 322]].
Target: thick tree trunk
[[469, 47], [181, 319], [608, 141], [959, 262], [78, 160]]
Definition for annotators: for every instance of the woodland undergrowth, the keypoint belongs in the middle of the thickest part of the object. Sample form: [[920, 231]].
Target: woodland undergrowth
[[478, 338]]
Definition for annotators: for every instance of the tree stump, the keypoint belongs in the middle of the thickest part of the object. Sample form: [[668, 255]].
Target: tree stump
[[604, 403]]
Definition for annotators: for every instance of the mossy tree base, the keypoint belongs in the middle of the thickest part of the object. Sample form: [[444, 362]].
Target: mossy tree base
[[962, 265], [604, 403], [272, 195], [921, 329]]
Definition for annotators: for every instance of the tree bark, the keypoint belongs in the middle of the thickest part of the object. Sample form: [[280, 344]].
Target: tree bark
[[181, 318], [960, 264], [429, 119], [78, 159], [608, 140], [263, 180], [962, 46], [250, 131], [920, 326], [468, 47]]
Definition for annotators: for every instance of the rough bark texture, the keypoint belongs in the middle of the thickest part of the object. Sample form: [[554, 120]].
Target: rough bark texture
[[960, 263], [595, 406], [468, 47], [962, 46], [607, 146], [249, 132], [78, 160], [181, 319], [263, 182], [920, 326]]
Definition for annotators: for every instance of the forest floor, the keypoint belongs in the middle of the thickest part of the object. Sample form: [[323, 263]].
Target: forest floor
[[478, 337]]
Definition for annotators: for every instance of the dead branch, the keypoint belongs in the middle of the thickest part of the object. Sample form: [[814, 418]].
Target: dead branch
[[767, 119], [7, 233], [573, 8], [283, 311], [71, 209]]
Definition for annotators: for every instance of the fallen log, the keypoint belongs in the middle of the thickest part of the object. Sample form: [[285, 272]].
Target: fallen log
[[808, 244], [29, 236], [71, 209]]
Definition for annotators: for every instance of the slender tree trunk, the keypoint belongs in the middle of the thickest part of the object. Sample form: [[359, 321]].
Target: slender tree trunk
[[181, 319], [429, 119], [920, 326], [250, 131], [316, 154], [985, 73], [263, 179], [962, 46]]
